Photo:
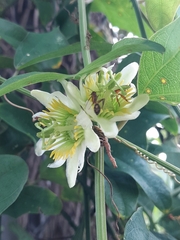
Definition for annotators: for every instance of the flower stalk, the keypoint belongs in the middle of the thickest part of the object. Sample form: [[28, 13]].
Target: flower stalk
[[101, 229], [99, 179]]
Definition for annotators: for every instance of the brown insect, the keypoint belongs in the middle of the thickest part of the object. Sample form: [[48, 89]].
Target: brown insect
[[95, 101], [118, 93]]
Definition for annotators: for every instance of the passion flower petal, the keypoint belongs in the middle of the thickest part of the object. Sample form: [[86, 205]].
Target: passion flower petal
[[129, 72], [72, 165], [56, 164], [109, 127], [43, 97], [92, 140], [138, 102]]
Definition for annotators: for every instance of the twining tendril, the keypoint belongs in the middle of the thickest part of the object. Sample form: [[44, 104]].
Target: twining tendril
[[145, 157], [17, 106]]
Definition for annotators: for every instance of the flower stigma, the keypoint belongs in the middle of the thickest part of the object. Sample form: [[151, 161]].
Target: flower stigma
[[59, 132]]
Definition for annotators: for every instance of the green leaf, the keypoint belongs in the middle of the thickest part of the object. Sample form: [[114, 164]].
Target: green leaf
[[34, 199], [159, 74], [74, 194], [56, 175], [13, 141], [13, 176], [130, 163], [145, 202], [19, 232], [171, 125], [35, 45], [46, 10], [161, 13], [164, 236], [11, 32], [157, 107], [119, 12], [6, 62], [138, 127], [23, 80], [124, 195], [134, 57], [136, 228], [101, 48], [122, 47], [167, 222], [19, 119]]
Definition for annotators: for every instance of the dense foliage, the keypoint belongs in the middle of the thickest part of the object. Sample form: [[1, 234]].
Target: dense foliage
[[40, 47]]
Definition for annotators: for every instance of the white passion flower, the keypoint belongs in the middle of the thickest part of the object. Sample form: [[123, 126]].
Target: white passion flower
[[66, 131], [107, 97]]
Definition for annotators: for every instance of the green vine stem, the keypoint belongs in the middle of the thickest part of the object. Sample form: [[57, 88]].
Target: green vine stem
[[139, 18], [83, 32], [99, 179], [101, 229], [151, 157]]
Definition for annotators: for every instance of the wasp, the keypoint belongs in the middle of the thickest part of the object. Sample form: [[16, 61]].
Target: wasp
[[119, 93], [95, 101]]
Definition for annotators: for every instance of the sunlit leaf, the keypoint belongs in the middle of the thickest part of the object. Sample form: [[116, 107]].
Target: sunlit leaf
[[119, 12], [13, 176], [159, 74], [161, 13], [35, 199]]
